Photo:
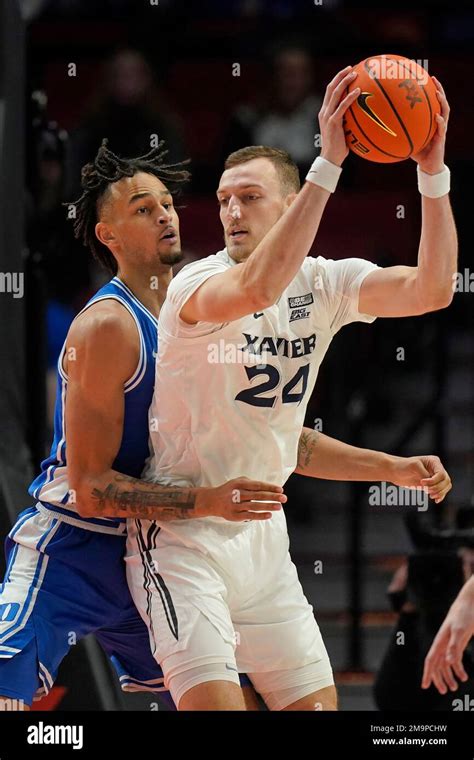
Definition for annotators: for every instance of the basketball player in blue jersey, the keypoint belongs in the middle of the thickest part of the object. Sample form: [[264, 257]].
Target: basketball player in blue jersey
[[65, 571]]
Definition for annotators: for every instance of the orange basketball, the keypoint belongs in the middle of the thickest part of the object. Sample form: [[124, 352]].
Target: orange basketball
[[394, 116]]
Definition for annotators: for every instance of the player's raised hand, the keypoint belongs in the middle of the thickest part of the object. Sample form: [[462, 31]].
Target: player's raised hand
[[335, 104], [431, 158], [238, 500]]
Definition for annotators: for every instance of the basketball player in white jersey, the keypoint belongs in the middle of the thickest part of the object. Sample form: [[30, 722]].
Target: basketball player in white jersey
[[241, 337]]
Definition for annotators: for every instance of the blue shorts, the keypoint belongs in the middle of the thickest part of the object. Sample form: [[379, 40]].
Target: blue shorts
[[62, 583]]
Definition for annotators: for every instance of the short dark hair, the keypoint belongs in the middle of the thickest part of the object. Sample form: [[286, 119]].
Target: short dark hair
[[104, 171], [281, 160]]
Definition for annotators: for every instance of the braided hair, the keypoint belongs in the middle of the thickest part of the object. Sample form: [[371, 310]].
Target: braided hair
[[96, 178]]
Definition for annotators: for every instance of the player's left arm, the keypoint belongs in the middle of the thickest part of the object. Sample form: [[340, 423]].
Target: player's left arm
[[403, 291], [320, 456]]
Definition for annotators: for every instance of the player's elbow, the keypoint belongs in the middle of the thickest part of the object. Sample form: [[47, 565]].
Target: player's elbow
[[81, 497], [439, 300], [258, 297], [446, 298]]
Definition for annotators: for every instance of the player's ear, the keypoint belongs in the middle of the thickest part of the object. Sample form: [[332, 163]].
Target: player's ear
[[289, 199], [104, 233]]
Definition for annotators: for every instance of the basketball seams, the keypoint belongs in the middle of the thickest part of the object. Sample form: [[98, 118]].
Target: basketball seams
[[379, 85], [427, 100]]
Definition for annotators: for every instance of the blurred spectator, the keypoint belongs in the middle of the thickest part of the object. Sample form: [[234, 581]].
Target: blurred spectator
[[289, 117], [63, 261], [58, 265], [128, 108]]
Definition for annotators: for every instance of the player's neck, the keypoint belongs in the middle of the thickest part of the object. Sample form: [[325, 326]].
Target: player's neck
[[149, 287]]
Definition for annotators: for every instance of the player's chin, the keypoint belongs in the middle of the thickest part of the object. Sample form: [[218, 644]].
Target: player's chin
[[170, 255], [238, 249]]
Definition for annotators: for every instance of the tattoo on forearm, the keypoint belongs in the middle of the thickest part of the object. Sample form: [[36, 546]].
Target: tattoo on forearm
[[144, 500], [306, 447]]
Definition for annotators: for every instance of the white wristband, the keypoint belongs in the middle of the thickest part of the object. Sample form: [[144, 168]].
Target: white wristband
[[325, 174], [434, 185]]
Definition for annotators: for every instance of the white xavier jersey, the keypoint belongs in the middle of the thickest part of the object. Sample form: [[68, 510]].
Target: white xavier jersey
[[230, 399]]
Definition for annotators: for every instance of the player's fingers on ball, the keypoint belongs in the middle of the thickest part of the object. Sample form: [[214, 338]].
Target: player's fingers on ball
[[337, 78], [442, 124], [445, 109], [345, 104], [439, 85], [332, 84], [338, 91]]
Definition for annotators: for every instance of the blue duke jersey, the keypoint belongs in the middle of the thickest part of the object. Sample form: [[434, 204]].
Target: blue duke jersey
[[65, 572], [51, 487]]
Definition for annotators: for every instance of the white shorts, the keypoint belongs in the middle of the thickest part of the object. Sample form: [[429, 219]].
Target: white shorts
[[249, 590]]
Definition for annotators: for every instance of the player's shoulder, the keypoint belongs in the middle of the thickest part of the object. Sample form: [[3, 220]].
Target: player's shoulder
[[335, 268], [215, 263], [316, 265], [103, 324], [219, 260]]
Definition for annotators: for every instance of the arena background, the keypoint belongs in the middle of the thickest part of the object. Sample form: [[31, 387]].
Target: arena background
[[210, 80]]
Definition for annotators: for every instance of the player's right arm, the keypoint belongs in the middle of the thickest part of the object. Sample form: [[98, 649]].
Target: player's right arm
[[257, 284], [103, 351]]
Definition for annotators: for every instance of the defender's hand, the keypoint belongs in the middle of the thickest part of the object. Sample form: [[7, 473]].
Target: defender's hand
[[234, 500]]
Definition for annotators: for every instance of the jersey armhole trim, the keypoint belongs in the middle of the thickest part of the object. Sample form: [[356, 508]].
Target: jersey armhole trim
[[137, 376]]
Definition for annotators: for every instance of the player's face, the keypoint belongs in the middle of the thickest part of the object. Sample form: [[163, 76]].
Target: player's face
[[251, 202], [144, 221]]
